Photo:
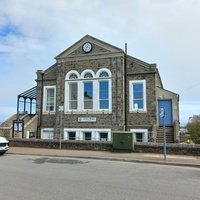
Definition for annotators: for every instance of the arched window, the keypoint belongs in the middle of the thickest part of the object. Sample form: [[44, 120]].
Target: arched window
[[88, 91], [103, 74], [104, 89], [73, 76], [72, 90], [88, 75]]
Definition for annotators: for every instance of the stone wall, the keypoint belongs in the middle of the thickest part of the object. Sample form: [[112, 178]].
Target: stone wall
[[178, 149], [54, 144]]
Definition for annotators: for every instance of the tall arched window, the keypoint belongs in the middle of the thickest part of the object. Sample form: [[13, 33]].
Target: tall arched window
[[104, 89], [72, 88], [88, 91]]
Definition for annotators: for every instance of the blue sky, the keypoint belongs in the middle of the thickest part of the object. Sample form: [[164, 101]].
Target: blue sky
[[164, 32]]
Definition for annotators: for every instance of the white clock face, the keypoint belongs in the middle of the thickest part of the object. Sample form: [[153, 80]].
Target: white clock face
[[87, 47]]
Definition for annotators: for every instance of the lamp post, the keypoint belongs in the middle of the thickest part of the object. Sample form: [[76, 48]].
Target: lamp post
[[162, 115]]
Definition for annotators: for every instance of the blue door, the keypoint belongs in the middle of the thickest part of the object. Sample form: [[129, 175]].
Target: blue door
[[167, 105]]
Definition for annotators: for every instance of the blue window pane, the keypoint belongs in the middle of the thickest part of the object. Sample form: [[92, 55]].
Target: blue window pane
[[138, 87], [88, 90], [139, 103], [103, 95], [104, 104], [138, 91], [88, 95], [103, 90], [138, 96]]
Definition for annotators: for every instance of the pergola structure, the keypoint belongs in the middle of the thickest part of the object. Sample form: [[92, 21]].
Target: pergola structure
[[27, 97]]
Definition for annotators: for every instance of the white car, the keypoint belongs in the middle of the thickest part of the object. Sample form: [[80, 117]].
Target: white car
[[4, 145]]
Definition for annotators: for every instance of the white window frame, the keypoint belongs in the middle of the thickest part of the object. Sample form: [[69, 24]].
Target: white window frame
[[84, 132], [45, 99], [105, 139], [80, 87], [131, 106], [93, 95], [144, 137], [109, 79], [68, 89], [80, 133], [50, 137]]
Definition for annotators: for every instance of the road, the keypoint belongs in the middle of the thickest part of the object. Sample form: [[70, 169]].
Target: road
[[25, 177]]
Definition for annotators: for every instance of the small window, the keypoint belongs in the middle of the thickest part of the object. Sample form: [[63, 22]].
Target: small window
[[47, 134], [103, 136], [72, 135], [139, 137], [88, 75], [87, 135]]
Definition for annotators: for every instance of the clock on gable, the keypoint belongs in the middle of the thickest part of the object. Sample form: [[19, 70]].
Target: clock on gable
[[87, 47]]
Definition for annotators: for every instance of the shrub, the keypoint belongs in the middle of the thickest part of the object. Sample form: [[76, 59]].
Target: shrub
[[194, 131]]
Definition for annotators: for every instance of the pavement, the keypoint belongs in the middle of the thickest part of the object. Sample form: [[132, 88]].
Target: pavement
[[175, 160]]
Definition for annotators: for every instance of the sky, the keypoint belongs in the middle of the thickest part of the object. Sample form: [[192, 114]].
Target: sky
[[164, 32]]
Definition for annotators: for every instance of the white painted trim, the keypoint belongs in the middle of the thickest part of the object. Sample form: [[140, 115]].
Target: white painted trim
[[72, 72], [103, 69], [85, 71], [109, 94], [43, 136], [95, 80], [79, 133], [131, 108], [145, 134], [45, 100]]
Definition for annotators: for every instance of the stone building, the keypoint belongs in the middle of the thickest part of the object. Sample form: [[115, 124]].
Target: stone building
[[95, 88]]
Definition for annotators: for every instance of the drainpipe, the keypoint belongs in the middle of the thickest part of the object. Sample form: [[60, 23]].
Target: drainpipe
[[125, 88]]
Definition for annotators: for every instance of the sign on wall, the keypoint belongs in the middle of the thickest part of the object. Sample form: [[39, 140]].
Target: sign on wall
[[87, 119]]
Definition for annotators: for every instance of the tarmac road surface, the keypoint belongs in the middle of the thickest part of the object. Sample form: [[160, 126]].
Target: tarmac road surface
[[29, 177]]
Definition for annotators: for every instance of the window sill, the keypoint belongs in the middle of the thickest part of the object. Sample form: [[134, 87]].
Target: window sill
[[89, 112], [137, 111], [49, 113]]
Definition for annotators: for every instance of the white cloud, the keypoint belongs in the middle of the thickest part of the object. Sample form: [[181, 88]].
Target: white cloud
[[157, 31]]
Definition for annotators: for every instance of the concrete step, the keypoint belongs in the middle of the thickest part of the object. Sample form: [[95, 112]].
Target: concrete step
[[169, 132]]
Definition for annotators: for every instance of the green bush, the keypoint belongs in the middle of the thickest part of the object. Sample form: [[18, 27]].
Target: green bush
[[194, 131]]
